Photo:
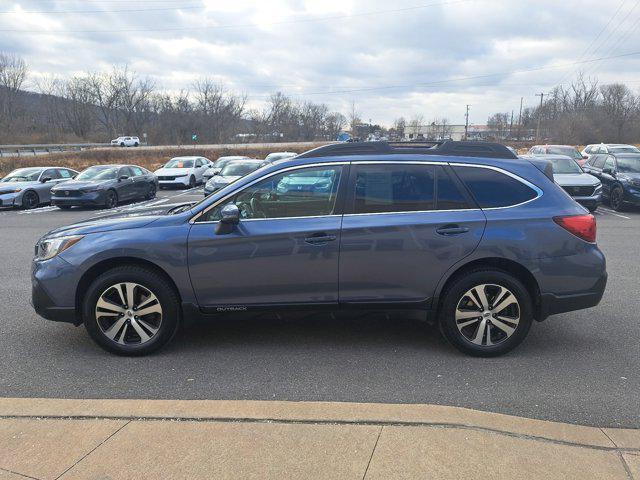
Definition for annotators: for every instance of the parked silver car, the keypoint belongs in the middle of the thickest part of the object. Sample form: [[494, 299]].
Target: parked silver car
[[219, 164], [583, 187], [231, 172], [30, 187]]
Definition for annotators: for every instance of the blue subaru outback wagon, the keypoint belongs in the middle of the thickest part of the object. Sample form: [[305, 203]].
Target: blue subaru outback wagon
[[482, 242]]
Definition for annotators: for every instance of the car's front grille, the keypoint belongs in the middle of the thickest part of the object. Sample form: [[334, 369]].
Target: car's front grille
[[68, 193], [166, 178], [580, 190]]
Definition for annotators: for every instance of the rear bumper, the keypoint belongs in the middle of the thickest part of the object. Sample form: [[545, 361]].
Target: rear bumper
[[551, 304]]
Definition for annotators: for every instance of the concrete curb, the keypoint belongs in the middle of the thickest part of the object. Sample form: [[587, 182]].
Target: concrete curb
[[323, 412]]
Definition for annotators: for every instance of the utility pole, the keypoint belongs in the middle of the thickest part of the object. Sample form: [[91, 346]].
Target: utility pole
[[520, 118], [541, 95], [511, 126], [466, 123]]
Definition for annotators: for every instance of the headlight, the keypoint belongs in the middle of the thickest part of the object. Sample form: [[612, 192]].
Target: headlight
[[13, 190], [50, 247]]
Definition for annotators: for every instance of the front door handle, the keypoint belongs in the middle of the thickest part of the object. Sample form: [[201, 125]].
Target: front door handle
[[319, 239], [451, 229]]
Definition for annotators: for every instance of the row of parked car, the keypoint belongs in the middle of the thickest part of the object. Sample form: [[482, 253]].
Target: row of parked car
[[600, 172], [108, 185]]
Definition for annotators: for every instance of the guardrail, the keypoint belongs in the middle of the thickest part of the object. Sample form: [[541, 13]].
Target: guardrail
[[44, 148]]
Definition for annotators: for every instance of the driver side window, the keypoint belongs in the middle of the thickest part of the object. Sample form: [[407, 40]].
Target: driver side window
[[302, 192]]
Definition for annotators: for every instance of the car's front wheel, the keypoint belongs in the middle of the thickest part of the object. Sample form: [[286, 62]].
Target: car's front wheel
[[486, 313], [30, 200], [151, 193], [131, 310], [110, 199], [192, 182]]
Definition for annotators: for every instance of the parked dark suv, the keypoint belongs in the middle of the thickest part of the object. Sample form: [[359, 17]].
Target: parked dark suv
[[620, 177], [479, 240]]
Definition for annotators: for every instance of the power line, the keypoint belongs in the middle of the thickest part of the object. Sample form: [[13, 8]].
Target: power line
[[245, 25], [57, 12]]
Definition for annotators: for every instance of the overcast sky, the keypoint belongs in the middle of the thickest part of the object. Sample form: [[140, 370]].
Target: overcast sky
[[406, 57]]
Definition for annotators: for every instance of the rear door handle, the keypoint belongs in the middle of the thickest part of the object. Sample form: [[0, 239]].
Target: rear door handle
[[319, 239], [447, 230]]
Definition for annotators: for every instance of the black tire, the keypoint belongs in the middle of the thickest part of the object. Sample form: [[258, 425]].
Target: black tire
[[110, 199], [192, 182], [149, 279], [455, 295], [64, 207], [122, 144], [30, 200], [151, 192], [616, 197], [136, 144]]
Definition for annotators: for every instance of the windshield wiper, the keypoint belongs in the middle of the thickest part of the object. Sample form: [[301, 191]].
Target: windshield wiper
[[181, 208]]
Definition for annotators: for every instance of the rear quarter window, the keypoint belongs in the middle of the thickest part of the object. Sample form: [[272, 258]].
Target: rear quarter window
[[493, 189]]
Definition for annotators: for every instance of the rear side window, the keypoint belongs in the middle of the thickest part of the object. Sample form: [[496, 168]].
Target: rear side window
[[137, 171], [448, 197], [493, 189], [64, 173], [599, 161], [394, 188]]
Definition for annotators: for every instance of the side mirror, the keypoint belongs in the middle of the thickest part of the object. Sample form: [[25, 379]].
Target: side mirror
[[123, 177], [585, 157], [607, 170], [45, 179], [230, 217]]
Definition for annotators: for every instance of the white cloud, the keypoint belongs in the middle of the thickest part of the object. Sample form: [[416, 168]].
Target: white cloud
[[337, 51]]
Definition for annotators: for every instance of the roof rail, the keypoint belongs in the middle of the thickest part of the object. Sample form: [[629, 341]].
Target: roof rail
[[447, 147]]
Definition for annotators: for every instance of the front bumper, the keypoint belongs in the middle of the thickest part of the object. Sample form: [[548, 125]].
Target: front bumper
[[90, 199], [53, 290], [592, 201], [11, 199], [178, 182]]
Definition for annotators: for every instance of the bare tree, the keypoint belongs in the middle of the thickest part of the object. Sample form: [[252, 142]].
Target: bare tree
[[13, 73], [353, 118], [620, 107]]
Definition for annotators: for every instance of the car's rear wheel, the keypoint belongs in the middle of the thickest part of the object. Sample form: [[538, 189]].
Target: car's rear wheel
[[486, 313], [30, 200], [110, 199], [131, 310], [151, 193], [616, 199]]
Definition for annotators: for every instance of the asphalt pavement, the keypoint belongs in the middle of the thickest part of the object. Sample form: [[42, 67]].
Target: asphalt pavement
[[581, 367]]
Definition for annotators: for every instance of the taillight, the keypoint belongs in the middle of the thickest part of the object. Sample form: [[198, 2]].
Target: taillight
[[582, 226]]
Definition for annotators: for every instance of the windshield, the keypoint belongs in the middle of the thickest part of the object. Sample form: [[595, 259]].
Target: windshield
[[98, 173], [625, 149], [23, 175], [239, 169], [179, 163], [629, 164], [569, 151], [221, 162], [565, 165]]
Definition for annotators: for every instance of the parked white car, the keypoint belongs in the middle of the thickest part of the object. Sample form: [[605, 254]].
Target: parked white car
[[607, 148], [183, 172], [125, 142]]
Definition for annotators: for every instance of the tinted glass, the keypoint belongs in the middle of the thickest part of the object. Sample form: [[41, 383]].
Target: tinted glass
[[448, 195], [565, 165], [64, 173], [236, 169], [625, 149], [300, 193], [610, 163], [599, 161], [98, 173], [52, 173], [179, 163], [630, 164], [569, 151], [23, 175], [494, 189], [137, 171], [394, 188]]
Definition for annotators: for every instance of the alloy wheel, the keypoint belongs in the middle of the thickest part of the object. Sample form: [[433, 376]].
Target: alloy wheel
[[487, 314], [128, 313], [111, 200], [616, 199], [30, 200]]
